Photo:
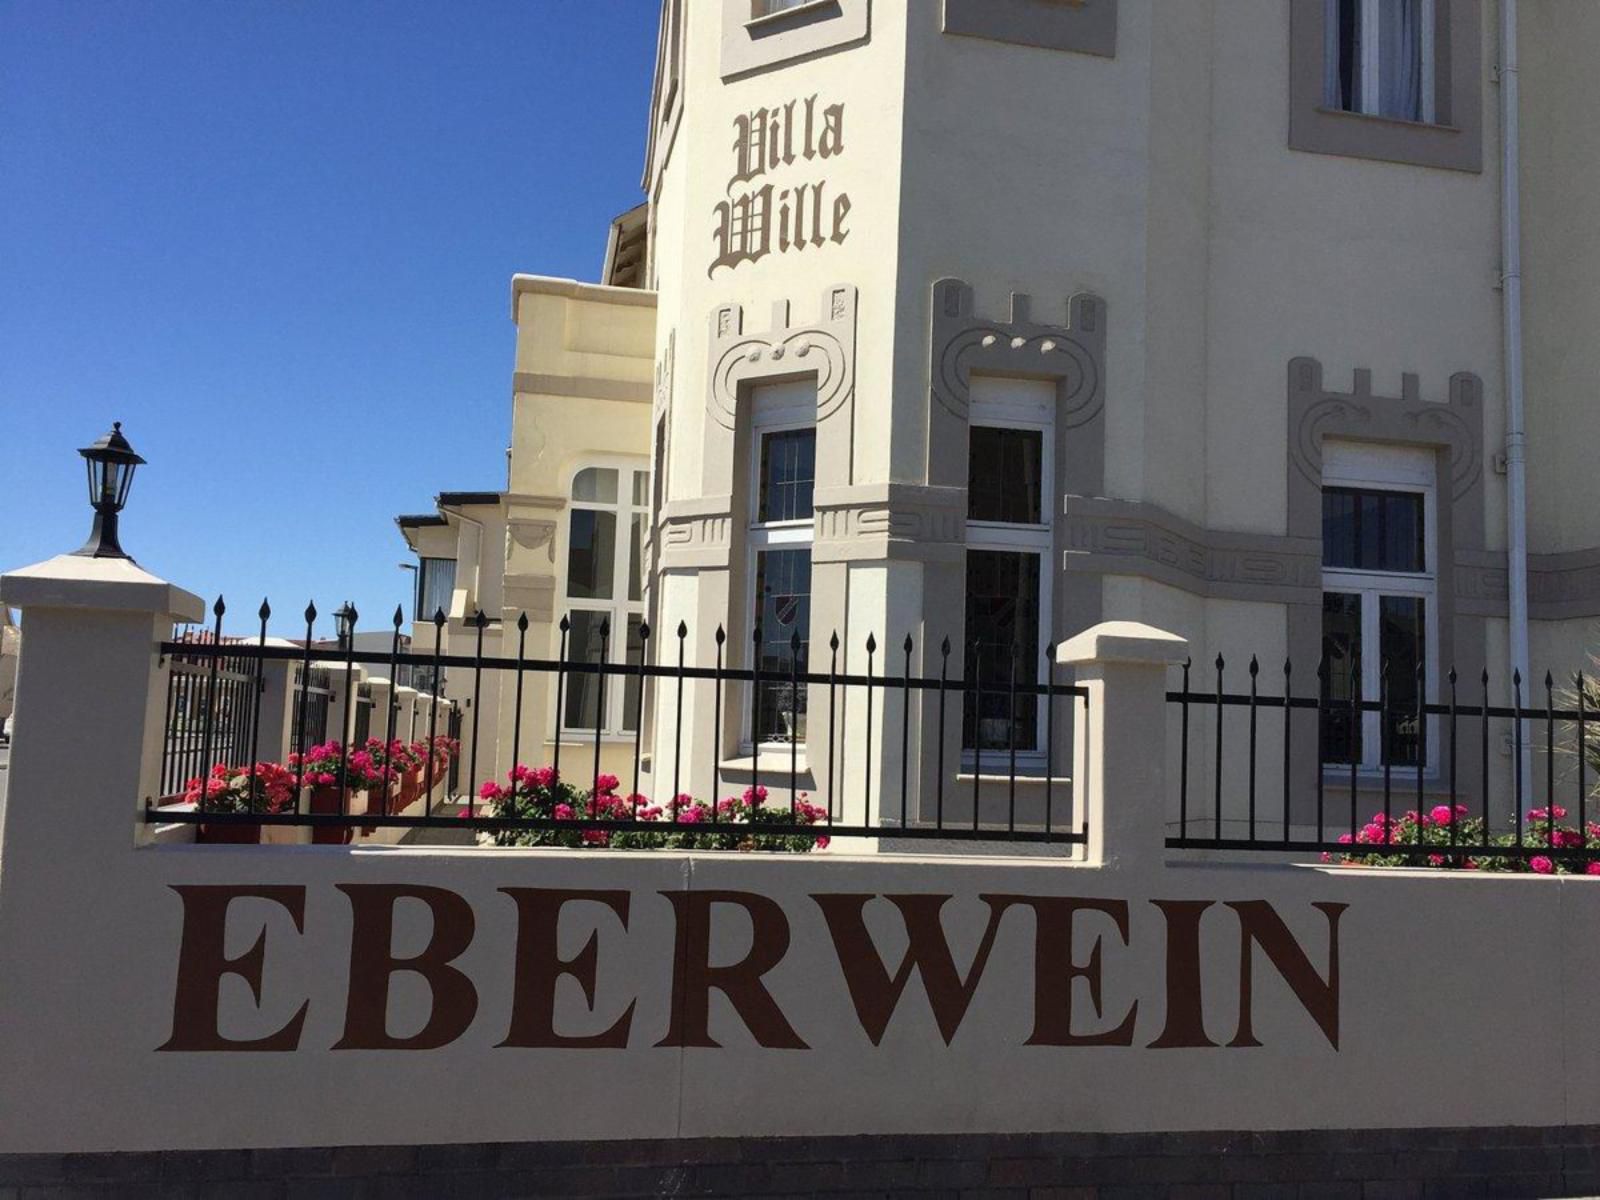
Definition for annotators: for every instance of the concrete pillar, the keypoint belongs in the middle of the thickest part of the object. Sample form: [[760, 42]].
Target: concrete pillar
[[1120, 757], [90, 712], [275, 740], [405, 700]]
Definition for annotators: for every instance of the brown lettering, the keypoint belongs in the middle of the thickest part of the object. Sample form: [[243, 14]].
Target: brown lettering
[[693, 976], [1055, 970], [372, 964], [202, 962], [1185, 1027], [539, 967], [1260, 925], [872, 990]]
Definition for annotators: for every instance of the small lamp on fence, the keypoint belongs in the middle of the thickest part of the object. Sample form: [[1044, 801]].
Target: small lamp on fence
[[344, 623], [111, 462]]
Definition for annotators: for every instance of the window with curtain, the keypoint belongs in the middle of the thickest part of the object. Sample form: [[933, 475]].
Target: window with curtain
[[436, 580], [609, 506], [1379, 57], [784, 462], [1378, 604], [1008, 555]]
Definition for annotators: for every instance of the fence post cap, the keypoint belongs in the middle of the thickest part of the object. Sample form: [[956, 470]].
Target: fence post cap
[[1123, 642], [105, 584]]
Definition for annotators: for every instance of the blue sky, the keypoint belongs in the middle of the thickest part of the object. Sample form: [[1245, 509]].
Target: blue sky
[[275, 240]]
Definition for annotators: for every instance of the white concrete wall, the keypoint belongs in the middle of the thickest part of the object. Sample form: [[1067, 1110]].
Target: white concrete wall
[[398, 995]]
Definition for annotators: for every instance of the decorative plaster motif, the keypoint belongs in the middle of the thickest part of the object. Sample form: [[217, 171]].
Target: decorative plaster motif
[[889, 521], [664, 369], [826, 349], [1120, 537], [696, 533], [530, 535], [1362, 416], [1070, 354]]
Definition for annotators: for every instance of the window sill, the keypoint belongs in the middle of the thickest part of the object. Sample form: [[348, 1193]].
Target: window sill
[[964, 776], [1382, 119], [792, 18], [767, 762]]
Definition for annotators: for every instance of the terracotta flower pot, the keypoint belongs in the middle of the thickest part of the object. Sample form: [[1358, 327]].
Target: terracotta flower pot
[[230, 834], [324, 798]]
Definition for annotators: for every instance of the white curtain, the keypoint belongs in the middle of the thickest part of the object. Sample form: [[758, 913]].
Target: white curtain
[[1400, 59]]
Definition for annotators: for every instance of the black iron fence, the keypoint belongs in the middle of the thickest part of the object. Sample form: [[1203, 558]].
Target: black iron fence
[[991, 774], [213, 697], [1458, 781]]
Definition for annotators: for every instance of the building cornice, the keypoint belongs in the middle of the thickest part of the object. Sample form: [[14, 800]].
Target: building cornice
[[597, 293]]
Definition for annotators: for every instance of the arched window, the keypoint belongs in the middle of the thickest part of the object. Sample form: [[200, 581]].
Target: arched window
[[609, 506]]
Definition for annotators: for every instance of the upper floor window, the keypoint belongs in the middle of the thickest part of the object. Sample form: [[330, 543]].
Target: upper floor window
[[1008, 556], [758, 35], [609, 507], [1393, 80], [436, 582], [1379, 57]]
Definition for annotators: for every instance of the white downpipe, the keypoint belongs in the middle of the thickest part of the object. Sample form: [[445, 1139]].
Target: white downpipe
[[1516, 437]]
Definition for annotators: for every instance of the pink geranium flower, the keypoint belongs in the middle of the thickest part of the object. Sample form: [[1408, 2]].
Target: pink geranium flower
[[1541, 865]]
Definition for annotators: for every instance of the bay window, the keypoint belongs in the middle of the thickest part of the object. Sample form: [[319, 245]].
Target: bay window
[[1378, 603], [784, 457], [609, 506], [1008, 553]]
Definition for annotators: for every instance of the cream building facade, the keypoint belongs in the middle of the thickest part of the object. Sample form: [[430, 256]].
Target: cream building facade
[[992, 319]]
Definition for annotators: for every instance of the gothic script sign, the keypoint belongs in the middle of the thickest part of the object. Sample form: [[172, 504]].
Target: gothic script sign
[[761, 214]]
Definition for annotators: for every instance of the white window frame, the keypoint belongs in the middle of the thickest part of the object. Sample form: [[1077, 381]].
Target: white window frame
[[619, 608], [774, 408], [998, 402], [1371, 57], [1389, 469]]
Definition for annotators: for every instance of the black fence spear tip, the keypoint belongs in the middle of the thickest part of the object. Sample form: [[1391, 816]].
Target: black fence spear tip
[[683, 629], [219, 607], [265, 610], [872, 643], [833, 641], [794, 641], [399, 615], [311, 612], [944, 647], [1255, 667], [565, 624], [722, 634], [438, 617], [908, 644], [644, 629]]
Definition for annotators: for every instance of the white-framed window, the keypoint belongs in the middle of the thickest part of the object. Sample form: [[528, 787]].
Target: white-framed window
[[1010, 474], [765, 8], [1379, 57], [1379, 602], [783, 459], [608, 507]]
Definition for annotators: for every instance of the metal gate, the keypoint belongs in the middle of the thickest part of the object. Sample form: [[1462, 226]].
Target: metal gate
[[211, 711], [312, 698], [363, 722], [455, 759]]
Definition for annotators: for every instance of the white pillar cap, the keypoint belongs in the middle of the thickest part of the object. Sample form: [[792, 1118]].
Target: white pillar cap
[[1123, 642], [105, 584]]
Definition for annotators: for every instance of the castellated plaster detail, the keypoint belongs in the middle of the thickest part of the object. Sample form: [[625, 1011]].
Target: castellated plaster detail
[[1360, 415], [1071, 353], [826, 349]]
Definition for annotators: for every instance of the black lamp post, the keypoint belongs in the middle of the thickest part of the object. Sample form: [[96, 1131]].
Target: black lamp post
[[111, 462], [344, 624]]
